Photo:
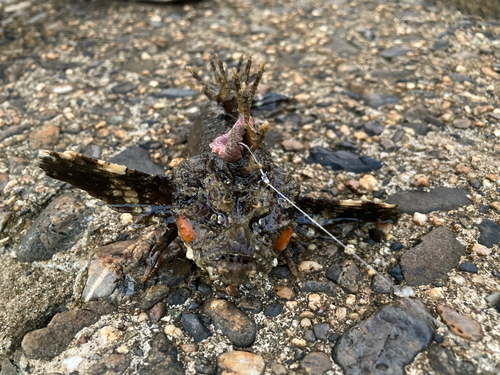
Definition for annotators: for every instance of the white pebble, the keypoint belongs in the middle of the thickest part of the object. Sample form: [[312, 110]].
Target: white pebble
[[419, 219]]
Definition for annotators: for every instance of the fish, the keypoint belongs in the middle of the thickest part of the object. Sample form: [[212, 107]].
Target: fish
[[233, 225]]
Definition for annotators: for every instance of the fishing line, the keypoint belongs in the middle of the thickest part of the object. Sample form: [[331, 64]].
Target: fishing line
[[349, 249]]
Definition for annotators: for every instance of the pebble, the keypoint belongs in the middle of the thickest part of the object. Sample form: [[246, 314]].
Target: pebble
[[153, 295], [489, 233], [373, 128], [368, 182], [299, 342], [194, 327], [237, 326], [251, 304], [462, 123], [342, 160], [421, 180], [278, 368], [461, 325], [419, 219], [292, 145], [173, 93], [326, 287], [124, 88], [490, 73], [462, 169], [285, 293], [162, 358], [45, 137], [309, 266], [273, 310], [52, 340], [438, 253], [204, 365], [173, 331], [353, 185], [321, 331], [481, 250], [157, 312], [389, 339], [56, 229], [136, 157], [395, 51], [380, 285], [468, 267], [109, 334], [240, 363], [345, 274], [179, 297], [316, 363], [437, 199]]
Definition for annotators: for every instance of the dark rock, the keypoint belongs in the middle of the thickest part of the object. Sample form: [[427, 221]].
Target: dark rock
[[434, 121], [333, 337], [342, 160], [298, 354], [468, 267], [496, 273], [326, 287], [13, 130], [395, 272], [57, 65], [173, 93], [321, 331], [135, 157], [444, 362], [461, 78], [157, 312], [388, 340], [381, 285], [274, 309], [439, 339], [395, 51], [123, 88], [92, 151], [178, 297], [251, 304], [153, 295], [396, 246], [234, 323], [342, 48], [110, 364], [316, 363], [391, 74], [205, 289], [373, 128], [345, 274], [489, 233], [175, 272], [438, 199], [269, 101], [46, 115], [309, 336], [398, 135], [191, 323], [53, 339], [416, 114], [204, 365], [162, 358], [56, 229], [418, 127], [387, 144], [437, 254], [378, 100], [440, 43]]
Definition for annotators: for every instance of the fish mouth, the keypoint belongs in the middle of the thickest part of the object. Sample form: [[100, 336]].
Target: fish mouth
[[235, 269]]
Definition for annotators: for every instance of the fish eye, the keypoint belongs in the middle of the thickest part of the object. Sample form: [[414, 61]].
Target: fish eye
[[221, 219]]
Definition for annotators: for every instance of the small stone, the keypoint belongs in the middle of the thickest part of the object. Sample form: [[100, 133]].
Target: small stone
[[419, 219], [299, 342], [145, 56], [173, 93], [421, 180], [461, 325], [292, 145], [309, 266], [204, 365], [157, 312], [490, 233], [240, 363], [326, 287], [179, 297], [321, 331], [273, 310], [234, 323], [153, 295], [462, 169], [45, 137], [251, 304], [314, 302], [353, 185], [345, 274], [124, 88], [126, 218], [316, 363], [395, 51], [368, 182], [194, 327], [278, 368], [285, 293], [468, 267], [462, 123], [109, 334], [481, 250], [490, 73], [173, 331]]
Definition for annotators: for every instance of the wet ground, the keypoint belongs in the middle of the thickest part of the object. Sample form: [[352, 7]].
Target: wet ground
[[412, 85]]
